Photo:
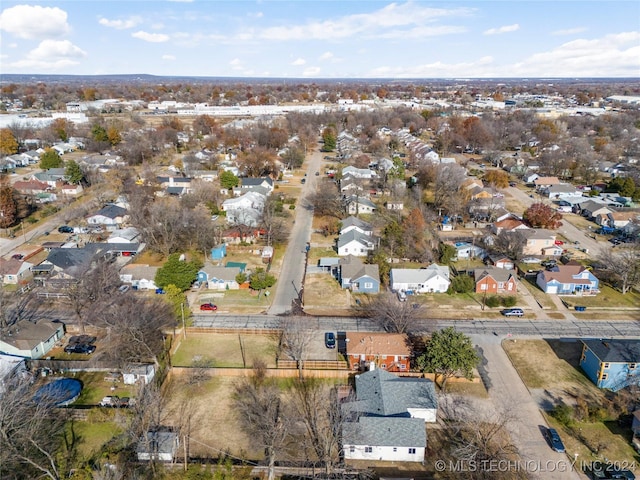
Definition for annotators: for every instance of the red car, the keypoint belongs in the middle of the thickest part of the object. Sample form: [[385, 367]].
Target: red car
[[208, 307], [559, 242]]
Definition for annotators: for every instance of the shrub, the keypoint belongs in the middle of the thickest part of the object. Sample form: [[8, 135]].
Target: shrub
[[509, 301], [563, 414], [462, 284], [493, 301]]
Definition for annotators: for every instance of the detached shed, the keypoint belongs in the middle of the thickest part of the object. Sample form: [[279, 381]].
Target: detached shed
[[158, 445], [219, 252], [267, 254], [138, 373]]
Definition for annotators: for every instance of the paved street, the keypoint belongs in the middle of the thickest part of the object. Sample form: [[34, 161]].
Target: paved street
[[291, 275]]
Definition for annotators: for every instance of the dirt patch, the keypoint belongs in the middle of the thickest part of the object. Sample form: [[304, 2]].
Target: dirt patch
[[322, 290]]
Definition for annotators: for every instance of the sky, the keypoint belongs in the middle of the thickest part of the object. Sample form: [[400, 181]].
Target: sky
[[322, 39]]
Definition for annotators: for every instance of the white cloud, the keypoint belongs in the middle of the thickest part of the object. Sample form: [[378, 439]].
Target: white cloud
[[570, 31], [255, 14], [34, 21], [436, 70], [326, 56], [168, 57], [299, 61], [122, 24], [236, 64], [390, 20], [500, 30], [151, 37], [311, 71], [51, 55]]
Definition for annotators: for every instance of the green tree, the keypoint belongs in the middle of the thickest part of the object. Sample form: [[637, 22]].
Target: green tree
[[241, 278], [73, 172], [8, 205], [99, 133], [329, 139], [228, 180], [462, 284], [50, 159], [449, 353], [446, 253], [8, 142], [260, 279], [179, 273]]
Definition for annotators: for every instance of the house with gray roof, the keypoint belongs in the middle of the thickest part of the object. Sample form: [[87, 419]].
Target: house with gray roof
[[611, 363], [432, 279], [355, 243], [218, 277], [110, 216], [140, 276], [386, 419], [358, 276], [354, 223], [249, 183], [31, 340], [355, 205]]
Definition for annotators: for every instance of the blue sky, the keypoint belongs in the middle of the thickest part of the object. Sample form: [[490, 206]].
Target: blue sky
[[322, 39]]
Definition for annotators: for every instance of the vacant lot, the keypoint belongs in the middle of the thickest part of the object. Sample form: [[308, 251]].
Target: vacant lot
[[322, 290], [234, 301], [225, 350]]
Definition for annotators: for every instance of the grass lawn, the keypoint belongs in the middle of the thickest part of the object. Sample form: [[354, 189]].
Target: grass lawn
[[323, 290], [550, 364], [318, 252], [93, 434], [147, 257], [608, 297], [608, 438], [236, 301], [95, 387], [223, 350]]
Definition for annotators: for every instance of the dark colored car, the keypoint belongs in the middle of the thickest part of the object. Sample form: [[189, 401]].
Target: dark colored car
[[208, 307], [80, 348], [303, 180], [317, 174], [599, 470], [330, 340], [555, 442], [17, 256], [86, 339], [65, 229]]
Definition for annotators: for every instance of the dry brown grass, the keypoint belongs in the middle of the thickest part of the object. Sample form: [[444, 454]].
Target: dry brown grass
[[323, 290], [223, 350]]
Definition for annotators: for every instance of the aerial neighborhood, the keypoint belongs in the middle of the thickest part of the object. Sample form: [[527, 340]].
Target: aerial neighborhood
[[318, 280]]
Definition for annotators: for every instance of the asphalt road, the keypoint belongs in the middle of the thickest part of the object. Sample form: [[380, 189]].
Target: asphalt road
[[290, 279]]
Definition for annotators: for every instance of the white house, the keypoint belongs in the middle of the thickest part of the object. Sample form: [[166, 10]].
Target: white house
[[245, 209], [110, 216], [433, 279], [354, 223], [125, 235], [468, 250], [364, 173], [138, 374], [141, 277], [355, 243], [357, 205], [31, 340]]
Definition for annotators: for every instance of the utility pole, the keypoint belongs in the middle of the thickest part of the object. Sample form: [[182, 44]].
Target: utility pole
[[184, 328], [24, 236]]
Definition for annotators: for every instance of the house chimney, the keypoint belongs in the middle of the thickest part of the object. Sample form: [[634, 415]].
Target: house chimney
[[372, 366], [171, 181]]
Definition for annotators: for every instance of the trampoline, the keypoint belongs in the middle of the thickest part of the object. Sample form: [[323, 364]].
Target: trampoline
[[59, 393]]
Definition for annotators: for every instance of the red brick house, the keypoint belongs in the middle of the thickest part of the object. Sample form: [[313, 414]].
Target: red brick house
[[389, 351], [495, 281]]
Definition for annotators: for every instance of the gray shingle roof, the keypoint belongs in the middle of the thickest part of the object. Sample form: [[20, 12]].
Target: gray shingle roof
[[613, 350], [356, 222], [395, 432], [352, 235]]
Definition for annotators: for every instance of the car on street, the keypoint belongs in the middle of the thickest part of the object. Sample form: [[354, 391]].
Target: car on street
[[317, 174], [208, 307], [65, 229], [512, 312], [330, 340], [555, 442], [84, 348], [17, 256]]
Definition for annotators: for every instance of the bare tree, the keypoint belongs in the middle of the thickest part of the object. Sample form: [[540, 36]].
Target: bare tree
[[261, 412], [448, 179], [623, 265], [326, 200], [295, 339], [510, 244], [388, 312], [31, 434]]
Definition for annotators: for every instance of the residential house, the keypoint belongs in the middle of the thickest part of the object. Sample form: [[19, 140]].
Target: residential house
[[355, 243], [563, 191], [538, 239], [32, 187], [432, 279], [529, 177], [354, 223], [134, 374], [493, 280], [140, 276], [158, 446], [509, 224], [619, 220], [15, 272], [542, 183], [125, 235], [468, 250], [110, 216], [248, 184], [394, 205], [11, 367], [358, 276], [71, 190], [51, 176], [363, 173], [386, 419], [218, 277], [568, 279], [350, 186], [31, 340], [500, 261], [245, 209], [591, 209], [356, 205], [71, 263], [611, 363]]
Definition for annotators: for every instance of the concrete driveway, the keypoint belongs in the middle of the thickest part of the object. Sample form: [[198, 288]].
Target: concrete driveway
[[506, 390]]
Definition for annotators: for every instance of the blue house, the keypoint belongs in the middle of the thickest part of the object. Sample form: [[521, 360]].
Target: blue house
[[219, 252], [358, 276], [611, 363], [568, 279], [219, 278]]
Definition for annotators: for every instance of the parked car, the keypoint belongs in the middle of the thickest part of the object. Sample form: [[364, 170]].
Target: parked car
[[65, 229], [317, 174], [530, 260], [512, 312], [402, 296], [304, 180], [17, 256], [559, 242], [607, 471], [80, 348], [208, 307], [555, 442], [330, 340], [124, 288]]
